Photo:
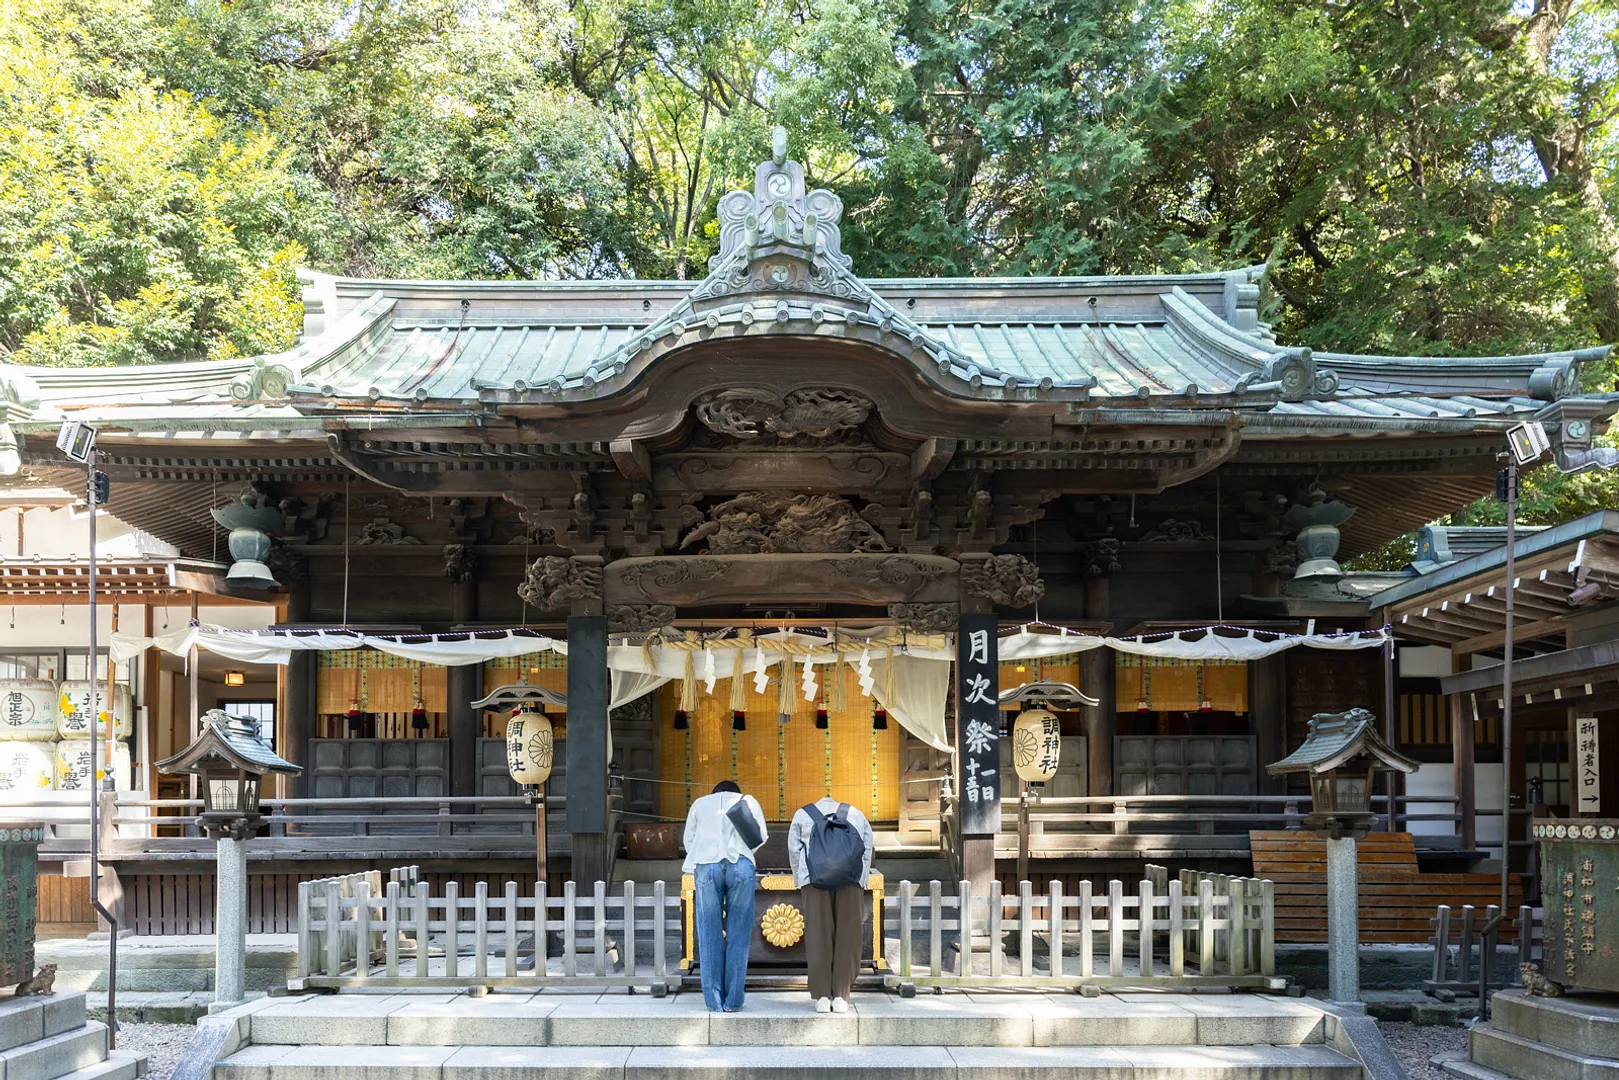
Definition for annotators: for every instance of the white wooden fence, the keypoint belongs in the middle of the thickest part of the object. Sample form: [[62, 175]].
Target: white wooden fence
[[1160, 936], [416, 939], [357, 931]]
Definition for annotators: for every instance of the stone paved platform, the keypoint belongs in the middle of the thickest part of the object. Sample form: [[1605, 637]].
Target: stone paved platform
[[595, 1035]]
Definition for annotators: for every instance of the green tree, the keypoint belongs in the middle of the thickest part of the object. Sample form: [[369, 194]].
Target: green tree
[[134, 225]]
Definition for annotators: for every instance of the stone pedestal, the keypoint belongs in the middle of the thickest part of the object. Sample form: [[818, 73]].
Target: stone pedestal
[[1528, 1038], [230, 922], [1343, 921]]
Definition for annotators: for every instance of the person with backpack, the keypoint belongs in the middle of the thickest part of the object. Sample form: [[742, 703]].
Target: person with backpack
[[723, 830], [829, 848]]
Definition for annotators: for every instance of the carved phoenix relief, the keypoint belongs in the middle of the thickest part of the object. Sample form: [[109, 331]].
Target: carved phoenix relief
[[1007, 580], [751, 413], [759, 522]]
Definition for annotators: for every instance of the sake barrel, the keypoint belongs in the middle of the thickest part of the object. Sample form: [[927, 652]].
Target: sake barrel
[[27, 710], [73, 720], [74, 767], [25, 770]]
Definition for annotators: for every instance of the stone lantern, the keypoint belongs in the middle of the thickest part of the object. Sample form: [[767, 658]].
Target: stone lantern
[[1317, 519], [230, 758], [1340, 755]]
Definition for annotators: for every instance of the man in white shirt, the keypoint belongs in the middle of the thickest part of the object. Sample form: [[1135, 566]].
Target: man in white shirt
[[720, 861], [833, 918]]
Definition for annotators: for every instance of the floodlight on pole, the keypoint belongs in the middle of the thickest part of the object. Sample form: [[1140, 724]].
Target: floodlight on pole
[[1528, 442], [77, 440]]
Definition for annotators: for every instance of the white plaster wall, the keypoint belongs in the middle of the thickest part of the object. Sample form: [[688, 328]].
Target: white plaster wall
[[1487, 778], [62, 531], [1433, 778], [1424, 662]]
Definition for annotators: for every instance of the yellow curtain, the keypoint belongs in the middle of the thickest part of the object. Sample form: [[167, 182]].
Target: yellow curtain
[[383, 683], [783, 766], [1173, 686]]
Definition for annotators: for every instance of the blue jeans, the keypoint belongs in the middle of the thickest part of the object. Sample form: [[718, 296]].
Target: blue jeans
[[724, 928]]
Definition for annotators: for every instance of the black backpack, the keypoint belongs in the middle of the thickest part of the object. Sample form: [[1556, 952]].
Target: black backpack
[[835, 853]]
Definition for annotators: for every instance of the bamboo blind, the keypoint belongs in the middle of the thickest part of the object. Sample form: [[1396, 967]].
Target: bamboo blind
[[786, 765], [1182, 686]]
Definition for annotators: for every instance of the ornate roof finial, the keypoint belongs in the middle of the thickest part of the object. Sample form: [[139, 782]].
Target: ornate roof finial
[[778, 145]]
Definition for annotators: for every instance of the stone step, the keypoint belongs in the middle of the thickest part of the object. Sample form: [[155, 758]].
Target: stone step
[[56, 1055], [143, 1007], [1529, 1060], [1586, 1023], [807, 1063], [571, 1019], [120, 1065], [28, 1019], [1458, 1065]]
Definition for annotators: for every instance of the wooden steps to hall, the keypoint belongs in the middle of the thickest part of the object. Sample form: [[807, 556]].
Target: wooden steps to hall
[[1397, 901]]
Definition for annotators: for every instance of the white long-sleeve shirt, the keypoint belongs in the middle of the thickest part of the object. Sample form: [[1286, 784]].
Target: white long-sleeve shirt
[[798, 835], [710, 836]]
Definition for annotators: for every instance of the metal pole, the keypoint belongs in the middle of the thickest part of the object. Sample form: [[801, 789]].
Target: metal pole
[[1389, 725], [95, 789], [1506, 685]]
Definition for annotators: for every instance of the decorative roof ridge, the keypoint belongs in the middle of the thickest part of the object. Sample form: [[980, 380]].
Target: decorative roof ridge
[[1257, 363]]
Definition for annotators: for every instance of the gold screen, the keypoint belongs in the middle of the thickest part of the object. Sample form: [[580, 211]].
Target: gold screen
[[786, 765]]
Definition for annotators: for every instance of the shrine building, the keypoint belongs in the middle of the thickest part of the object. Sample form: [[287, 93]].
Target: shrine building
[[786, 525]]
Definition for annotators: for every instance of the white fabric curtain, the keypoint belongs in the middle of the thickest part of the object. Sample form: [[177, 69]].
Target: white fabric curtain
[[628, 686], [277, 646], [920, 689]]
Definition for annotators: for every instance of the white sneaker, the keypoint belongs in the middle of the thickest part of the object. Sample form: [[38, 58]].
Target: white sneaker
[[840, 1005], [823, 1005]]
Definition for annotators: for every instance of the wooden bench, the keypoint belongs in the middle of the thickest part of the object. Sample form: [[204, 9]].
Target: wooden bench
[[1397, 901]]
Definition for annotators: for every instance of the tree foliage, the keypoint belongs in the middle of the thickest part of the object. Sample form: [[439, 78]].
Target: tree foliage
[[1420, 176]]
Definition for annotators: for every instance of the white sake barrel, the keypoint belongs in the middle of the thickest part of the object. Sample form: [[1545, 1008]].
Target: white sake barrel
[[73, 764], [73, 719], [26, 769], [27, 710]]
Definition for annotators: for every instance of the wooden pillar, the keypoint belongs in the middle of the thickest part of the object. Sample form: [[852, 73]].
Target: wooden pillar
[[588, 814], [463, 685], [1097, 674], [151, 675], [1096, 678], [299, 694], [1461, 741], [1267, 717]]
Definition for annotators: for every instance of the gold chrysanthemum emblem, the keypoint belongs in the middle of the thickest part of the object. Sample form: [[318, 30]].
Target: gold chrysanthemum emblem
[[782, 925]]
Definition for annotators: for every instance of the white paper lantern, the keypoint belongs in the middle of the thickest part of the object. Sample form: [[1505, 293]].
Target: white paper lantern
[[27, 710], [25, 770], [73, 720], [528, 748], [1036, 746], [74, 766]]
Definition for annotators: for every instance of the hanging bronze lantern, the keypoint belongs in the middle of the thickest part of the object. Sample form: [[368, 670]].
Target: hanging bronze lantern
[[1036, 745], [528, 748]]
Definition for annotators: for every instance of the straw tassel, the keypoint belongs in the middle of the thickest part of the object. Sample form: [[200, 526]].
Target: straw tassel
[[888, 676], [835, 686], [784, 687], [739, 696], [688, 685]]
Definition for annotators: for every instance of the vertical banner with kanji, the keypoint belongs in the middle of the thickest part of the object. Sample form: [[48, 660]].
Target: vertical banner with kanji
[[1587, 757], [978, 725]]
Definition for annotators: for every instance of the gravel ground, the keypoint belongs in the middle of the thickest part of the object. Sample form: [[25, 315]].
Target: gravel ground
[[162, 1043], [1414, 1044]]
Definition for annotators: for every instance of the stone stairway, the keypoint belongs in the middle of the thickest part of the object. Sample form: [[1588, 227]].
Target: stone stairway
[[1530, 1038], [596, 1036], [49, 1038]]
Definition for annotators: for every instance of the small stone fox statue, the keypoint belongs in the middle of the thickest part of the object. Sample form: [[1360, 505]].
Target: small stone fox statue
[[1536, 984], [40, 984]]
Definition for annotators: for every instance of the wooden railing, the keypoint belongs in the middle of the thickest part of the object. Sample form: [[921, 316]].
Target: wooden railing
[[1474, 973], [502, 935], [1201, 814], [1154, 937]]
